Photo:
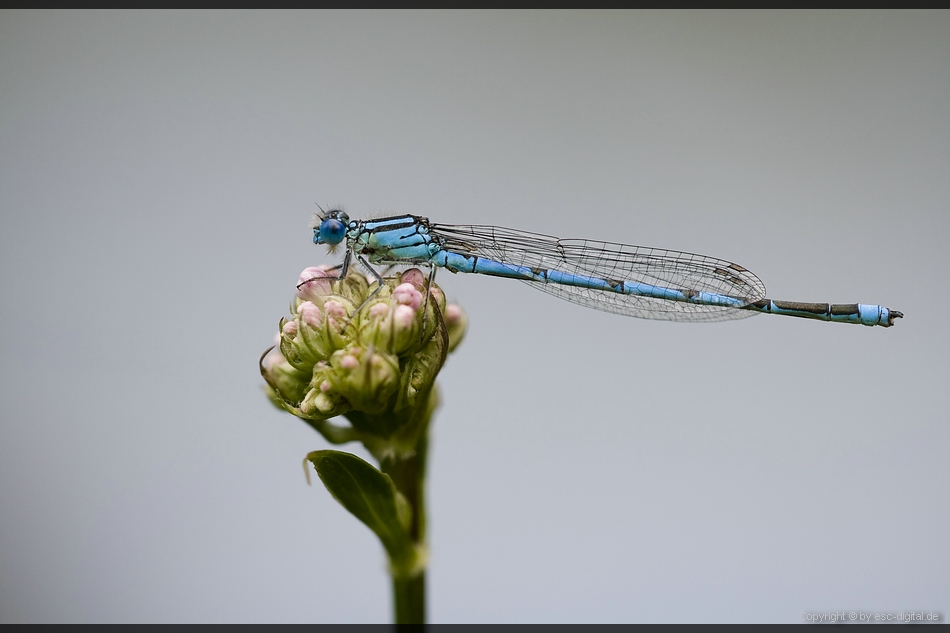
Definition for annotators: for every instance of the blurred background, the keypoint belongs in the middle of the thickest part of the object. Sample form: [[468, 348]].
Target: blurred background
[[158, 172]]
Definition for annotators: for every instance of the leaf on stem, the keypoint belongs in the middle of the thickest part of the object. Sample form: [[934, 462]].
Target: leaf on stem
[[371, 497]]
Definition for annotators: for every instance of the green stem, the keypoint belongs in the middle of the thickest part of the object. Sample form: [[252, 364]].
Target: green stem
[[408, 474], [409, 596]]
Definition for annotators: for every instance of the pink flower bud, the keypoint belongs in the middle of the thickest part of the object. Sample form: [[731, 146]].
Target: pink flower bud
[[403, 316], [335, 309], [453, 314], [314, 282], [337, 317], [456, 322], [407, 295], [310, 314], [349, 362], [273, 358], [378, 310], [314, 272], [290, 329], [415, 277]]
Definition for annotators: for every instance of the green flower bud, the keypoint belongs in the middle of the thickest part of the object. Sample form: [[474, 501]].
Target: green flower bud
[[419, 373], [396, 326], [284, 382], [354, 287], [366, 379], [322, 401]]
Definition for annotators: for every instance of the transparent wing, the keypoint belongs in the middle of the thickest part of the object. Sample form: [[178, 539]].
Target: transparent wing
[[614, 262]]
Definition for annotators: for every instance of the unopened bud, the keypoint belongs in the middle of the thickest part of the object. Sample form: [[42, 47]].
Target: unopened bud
[[289, 329], [314, 284], [456, 324], [310, 314], [407, 295], [373, 362], [415, 277]]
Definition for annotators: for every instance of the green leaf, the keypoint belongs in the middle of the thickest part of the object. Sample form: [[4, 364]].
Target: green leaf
[[371, 497]]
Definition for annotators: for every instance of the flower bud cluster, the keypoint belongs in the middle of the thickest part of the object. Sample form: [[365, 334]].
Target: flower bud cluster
[[348, 351]]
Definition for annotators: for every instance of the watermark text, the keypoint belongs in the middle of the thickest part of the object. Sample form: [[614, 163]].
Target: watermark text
[[865, 617]]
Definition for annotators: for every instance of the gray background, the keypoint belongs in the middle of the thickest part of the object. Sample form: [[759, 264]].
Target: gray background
[[157, 175]]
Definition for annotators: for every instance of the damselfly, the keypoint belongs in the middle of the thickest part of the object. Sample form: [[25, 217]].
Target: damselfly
[[647, 283]]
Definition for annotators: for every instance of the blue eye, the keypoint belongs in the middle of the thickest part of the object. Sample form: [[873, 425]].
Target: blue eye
[[332, 231]]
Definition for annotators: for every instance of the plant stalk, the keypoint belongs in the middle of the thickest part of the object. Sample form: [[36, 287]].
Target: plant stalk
[[409, 596], [408, 474]]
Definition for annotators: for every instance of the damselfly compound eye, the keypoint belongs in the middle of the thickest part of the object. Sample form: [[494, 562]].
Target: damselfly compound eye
[[332, 231]]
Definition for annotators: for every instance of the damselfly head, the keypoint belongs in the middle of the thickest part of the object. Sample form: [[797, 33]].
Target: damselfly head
[[331, 228]]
